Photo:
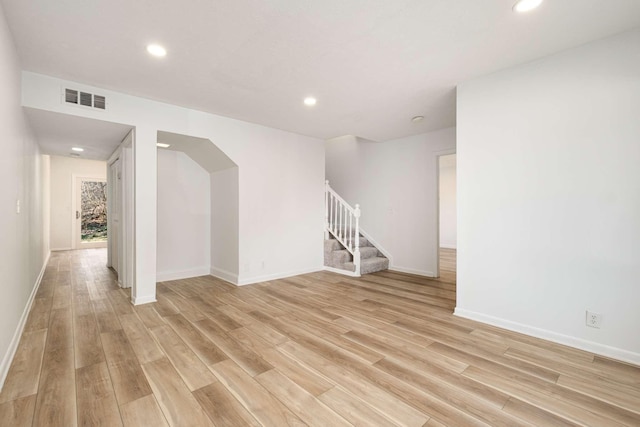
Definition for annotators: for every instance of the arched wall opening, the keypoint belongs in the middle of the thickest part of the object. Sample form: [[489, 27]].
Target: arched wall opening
[[198, 211]]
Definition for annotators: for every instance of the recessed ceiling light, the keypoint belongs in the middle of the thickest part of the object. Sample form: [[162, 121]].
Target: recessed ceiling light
[[310, 101], [163, 145], [417, 119], [78, 149], [156, 50], [526, 5]]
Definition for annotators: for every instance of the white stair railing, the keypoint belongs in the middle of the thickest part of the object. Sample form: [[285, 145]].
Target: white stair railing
[[343, 222]]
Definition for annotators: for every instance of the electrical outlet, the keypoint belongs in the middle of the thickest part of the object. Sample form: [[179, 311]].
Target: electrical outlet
[[594, 320]]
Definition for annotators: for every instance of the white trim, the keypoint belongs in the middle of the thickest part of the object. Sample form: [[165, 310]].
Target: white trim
[[593, 347], [60, 249], [13, 345], [276, 276], [110, 209], [163, 276], [126, 261], [341, 271], [143, 300], [225, 275], [424, 273], [448, 246], [127, 214]]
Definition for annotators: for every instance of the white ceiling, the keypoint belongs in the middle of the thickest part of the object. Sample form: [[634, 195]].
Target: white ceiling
[[372, 64], [57, 133], [201, 150]]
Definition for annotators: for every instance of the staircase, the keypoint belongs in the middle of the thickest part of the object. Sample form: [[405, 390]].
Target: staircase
[[346, 250], [338, 257]]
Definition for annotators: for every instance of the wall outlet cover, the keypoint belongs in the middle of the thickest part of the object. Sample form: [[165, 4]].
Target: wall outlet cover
[[594, 320]]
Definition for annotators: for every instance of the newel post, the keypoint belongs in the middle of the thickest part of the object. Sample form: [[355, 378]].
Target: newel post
[[356, 251], [326, 209]]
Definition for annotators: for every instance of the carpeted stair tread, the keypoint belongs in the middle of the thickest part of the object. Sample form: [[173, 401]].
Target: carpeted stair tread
[[332, 245], [368, 252], [340, 257], [363, 242], [337, 256], [350, 239], [369, 265]]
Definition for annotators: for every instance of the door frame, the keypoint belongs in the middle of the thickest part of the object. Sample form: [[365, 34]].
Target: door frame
[[76, 197], [437, 155], [126, 229], [114, 204]]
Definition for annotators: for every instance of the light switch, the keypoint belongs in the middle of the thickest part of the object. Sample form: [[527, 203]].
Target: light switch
[[18, 206]]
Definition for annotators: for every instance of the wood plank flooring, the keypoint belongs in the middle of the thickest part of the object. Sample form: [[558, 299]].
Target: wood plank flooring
[[317, 349], [448, 265]]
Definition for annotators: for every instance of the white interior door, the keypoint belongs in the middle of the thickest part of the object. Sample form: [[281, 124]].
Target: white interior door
[[115, 178], [91, 213], [120, 218]]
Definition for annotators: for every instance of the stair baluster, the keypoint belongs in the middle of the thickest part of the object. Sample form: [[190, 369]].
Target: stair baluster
[[356, 252], [339, 221], [350, 231], [326, 210]]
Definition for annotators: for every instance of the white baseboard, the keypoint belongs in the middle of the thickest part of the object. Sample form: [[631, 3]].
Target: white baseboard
[[61, 249], [448, 246], [424, 273], [225, 275], [163, 276], [143, 299], [276, 276], [590, 346], [340, 271], [13, 345]]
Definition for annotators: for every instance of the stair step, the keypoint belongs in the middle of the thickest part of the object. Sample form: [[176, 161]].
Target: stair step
[[362, 241], [368, 252], [340, 257], [332, 245], [369, 265], [337, 256]]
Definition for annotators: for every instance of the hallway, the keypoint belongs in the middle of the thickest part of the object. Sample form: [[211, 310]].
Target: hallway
[[317, 349]]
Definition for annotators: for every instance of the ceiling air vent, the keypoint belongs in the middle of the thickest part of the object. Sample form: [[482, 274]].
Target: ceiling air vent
[[86, 99], [71, 96], [99, 102]]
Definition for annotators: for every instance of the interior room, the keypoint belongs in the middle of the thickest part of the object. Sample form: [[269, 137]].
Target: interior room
[[406, 213]]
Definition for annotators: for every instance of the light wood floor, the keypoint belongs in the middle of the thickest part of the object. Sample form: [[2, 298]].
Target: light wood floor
[[448, 265], [318, 349]]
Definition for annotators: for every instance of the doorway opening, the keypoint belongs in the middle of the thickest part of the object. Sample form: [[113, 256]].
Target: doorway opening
[[447, 227], [197, 236], [91, 213]]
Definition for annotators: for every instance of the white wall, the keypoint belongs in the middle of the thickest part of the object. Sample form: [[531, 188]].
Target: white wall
[[24, 248], [395, 183], [224, 224], [184, 217], [447, 184], [46, 204], [62, 209], [549, 197], [280, 181], [281, 196]]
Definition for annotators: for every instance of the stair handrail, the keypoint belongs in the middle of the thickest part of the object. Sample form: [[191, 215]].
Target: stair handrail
[[343, 222]]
